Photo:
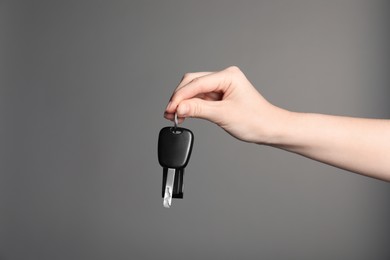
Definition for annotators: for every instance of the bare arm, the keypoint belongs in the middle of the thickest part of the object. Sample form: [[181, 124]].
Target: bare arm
[[356, 144], [228, 99]]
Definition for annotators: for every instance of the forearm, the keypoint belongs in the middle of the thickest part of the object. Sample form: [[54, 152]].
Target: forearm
[[355, 144]]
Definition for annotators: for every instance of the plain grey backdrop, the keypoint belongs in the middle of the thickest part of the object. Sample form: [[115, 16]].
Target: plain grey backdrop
[[83, 88]]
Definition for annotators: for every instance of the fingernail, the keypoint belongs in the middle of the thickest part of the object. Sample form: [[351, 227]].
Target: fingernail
[[169, 104], [182, 110]]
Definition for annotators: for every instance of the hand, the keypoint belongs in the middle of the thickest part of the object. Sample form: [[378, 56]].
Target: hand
[[229, 100]]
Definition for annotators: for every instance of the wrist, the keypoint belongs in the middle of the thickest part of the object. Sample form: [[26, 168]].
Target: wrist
[[281, 128]]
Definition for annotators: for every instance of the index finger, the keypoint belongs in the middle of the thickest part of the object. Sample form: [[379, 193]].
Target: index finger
[[188, 77], [213, 82]]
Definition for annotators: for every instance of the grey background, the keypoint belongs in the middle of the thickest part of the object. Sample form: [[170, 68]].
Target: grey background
[[83, 89]]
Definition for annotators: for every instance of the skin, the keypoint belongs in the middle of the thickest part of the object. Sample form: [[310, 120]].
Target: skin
[[228, 99]]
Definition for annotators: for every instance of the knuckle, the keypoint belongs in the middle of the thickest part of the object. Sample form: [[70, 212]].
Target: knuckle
[[197, 109], [187, 76], [232, 73], [233, 69]]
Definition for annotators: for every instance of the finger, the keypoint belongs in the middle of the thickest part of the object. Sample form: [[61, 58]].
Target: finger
[[213, 96], [207, 97], [199, 108], [217, 82], [188, 77], [171, 117]]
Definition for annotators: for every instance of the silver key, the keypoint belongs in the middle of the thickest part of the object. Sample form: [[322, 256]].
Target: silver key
[[169, 188]]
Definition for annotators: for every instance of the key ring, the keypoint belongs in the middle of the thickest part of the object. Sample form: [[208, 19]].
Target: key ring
[[176, 122], [175, 131]]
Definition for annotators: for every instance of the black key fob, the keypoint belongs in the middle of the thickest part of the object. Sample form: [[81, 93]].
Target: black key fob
[[174, 151]]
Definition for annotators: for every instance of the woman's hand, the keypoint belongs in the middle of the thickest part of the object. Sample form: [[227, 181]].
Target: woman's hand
[[229, 100]]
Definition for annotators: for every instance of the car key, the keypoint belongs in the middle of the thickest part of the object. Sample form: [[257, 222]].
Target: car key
[[174, 151]]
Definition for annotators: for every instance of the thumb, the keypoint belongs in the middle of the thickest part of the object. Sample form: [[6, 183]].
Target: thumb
[[198, 108]]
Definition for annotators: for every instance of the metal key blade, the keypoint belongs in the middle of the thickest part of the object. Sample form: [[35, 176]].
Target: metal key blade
[[169, 188]]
